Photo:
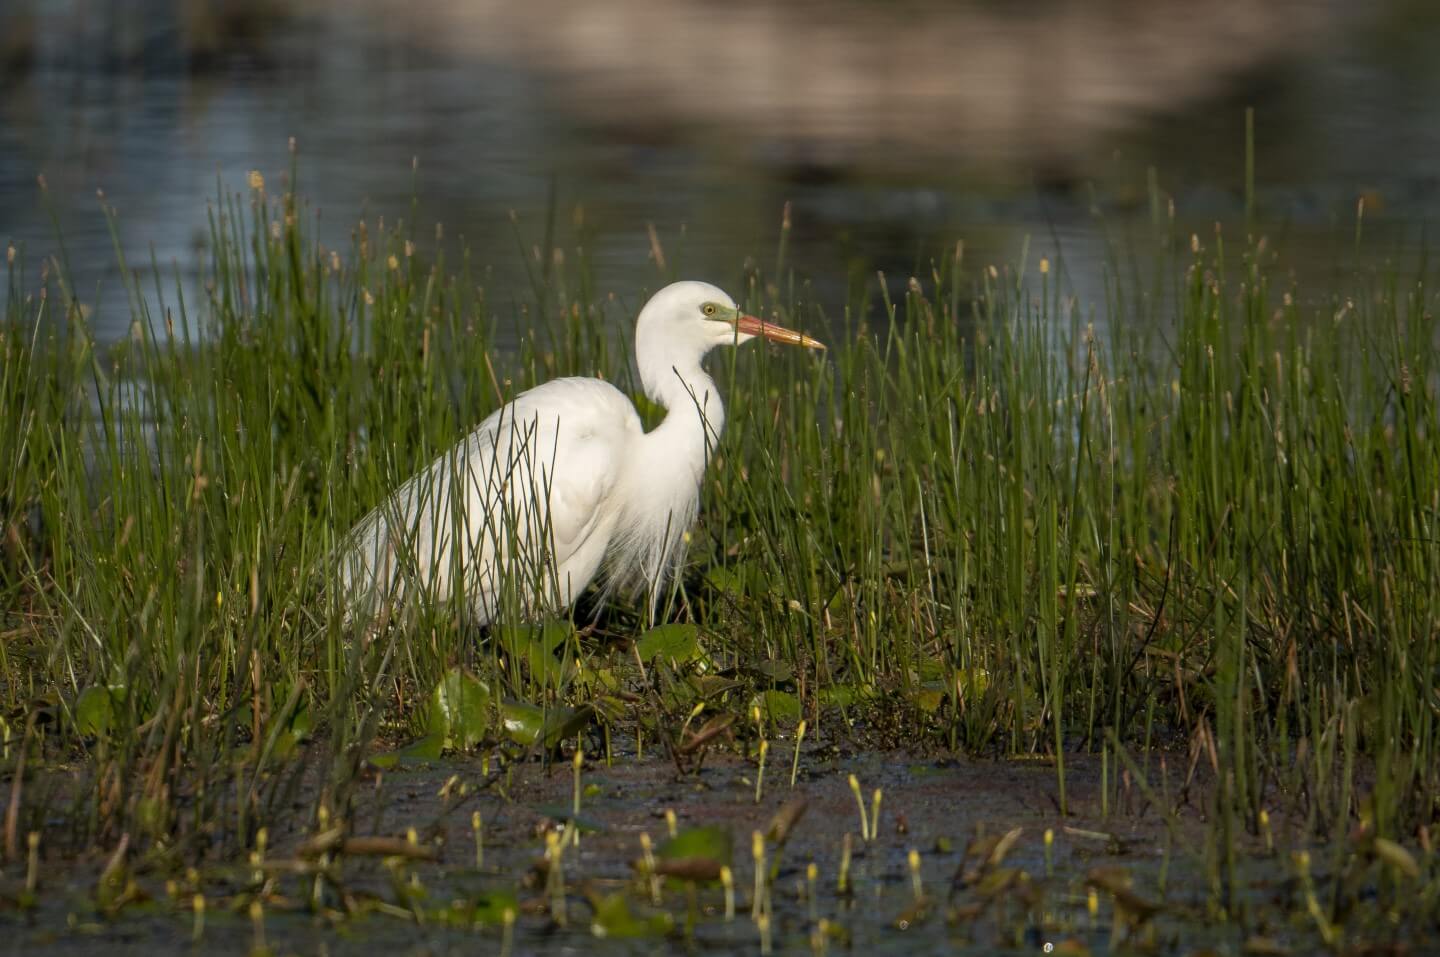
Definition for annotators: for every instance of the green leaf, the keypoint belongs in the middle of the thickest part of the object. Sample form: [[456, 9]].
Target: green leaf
[[777, 705], [929, 699], [528, 724], [544, 666], [777, 670], [421, 751], [933, 669], [710, 686], [606, 679], [678, 696], [459, 710], [553, 634], [297, 729], [562, 723], [522, 722], [612, 708], [742, 579], [536, 646], [708, 843], [843, 696], [490, 908], [612, 918], [677, 643], [971, 682], [95, 709], [730, 580]]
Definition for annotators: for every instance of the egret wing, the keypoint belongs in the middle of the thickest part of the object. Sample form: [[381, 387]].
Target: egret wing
[[524, 497]]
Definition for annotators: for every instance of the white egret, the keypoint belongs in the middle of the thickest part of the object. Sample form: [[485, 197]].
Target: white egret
[[563, 483]]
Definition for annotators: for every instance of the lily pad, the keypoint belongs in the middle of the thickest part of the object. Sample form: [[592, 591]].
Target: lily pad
[[459, 710], [777, 705], [612, 918], [544, 667], [932, 669], [539, 655], [971, 682], [843, 696], [536, 647], [562, 723], [777, 670], [710, 687], [296, 730], [726, 580], [611, 708], [522, 722], [421, 751], [676, 643], [606, 679], [95, 709], [527, 724], [678, 696], [929, 699], [553, 634], [490, 908], [709, 843]]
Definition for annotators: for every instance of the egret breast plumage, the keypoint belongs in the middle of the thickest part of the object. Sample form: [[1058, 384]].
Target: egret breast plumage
[[561, 485]]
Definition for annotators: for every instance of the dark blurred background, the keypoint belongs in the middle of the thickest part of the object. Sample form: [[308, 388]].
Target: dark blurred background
[[894, 127]]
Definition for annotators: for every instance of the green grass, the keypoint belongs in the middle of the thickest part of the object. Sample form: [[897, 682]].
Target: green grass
[[973, 524]]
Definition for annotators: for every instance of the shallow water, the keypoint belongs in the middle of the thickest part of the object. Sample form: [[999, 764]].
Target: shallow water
[[934, 807], [894, 133], [1017, 904]]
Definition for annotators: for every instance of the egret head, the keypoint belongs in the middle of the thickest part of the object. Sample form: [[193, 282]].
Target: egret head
[[694, 317]]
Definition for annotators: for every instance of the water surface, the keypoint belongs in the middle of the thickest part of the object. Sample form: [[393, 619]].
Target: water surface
[[894, 132]]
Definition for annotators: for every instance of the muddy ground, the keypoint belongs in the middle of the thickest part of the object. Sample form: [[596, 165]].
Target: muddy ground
[[1121, 873]]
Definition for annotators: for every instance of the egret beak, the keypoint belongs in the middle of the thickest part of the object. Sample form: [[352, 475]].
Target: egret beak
[[759, 327]]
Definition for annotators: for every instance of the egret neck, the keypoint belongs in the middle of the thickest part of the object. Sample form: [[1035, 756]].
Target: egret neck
[[694, 414], [661, 479]]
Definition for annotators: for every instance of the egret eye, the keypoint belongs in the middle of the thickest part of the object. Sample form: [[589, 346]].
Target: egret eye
[[708, 309]]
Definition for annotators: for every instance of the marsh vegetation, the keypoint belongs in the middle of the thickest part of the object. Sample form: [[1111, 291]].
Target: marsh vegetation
[[1174, 552]]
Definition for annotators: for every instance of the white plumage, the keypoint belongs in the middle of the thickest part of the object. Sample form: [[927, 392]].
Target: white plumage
[[562, 483]]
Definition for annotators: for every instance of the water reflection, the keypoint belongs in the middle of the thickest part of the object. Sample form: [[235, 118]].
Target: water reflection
[[894, 129]]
